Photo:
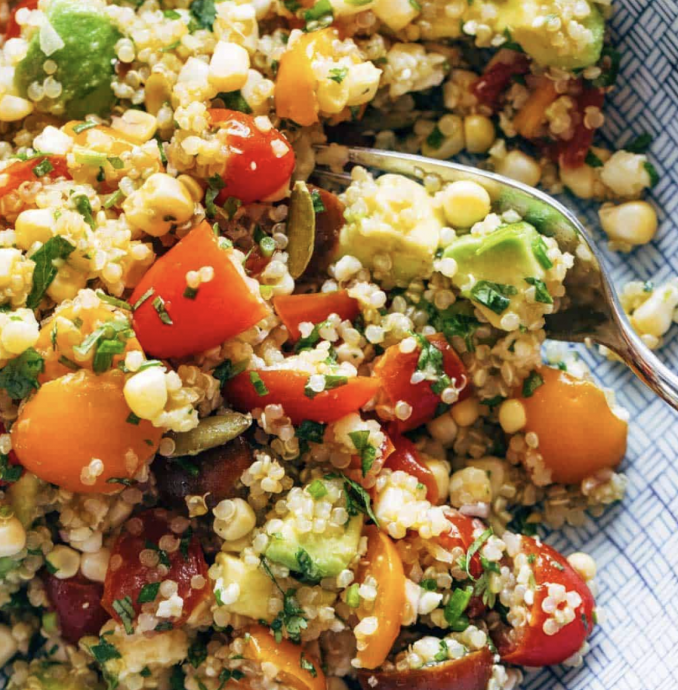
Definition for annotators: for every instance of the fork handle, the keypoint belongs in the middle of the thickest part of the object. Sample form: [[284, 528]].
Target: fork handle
[[645, 364]]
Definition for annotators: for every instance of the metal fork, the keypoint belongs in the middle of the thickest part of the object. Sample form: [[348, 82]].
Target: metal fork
[[592, 313]]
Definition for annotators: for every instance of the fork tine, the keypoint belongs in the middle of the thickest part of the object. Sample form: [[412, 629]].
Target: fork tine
[[327, 178]]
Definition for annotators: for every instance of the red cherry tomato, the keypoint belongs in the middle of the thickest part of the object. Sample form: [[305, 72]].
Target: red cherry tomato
[[13, 29], [460, 535], [529, 645], [286, 388], [261, 163], [77, 603], [573, 152], [146, 535], [497, 77], [221, 309], [295, 309], [406, 458], [24, 171], [395, 369]]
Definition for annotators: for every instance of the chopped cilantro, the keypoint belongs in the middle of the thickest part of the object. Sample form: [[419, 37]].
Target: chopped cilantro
[[316, 488], [163, 315], [197, 653], [215, 185], [473, 549], [20, 375], [357, 499], [42, 168], [190, 293], [541, 292], [307, 666], [45, 271], [592, 160], [366, 451], [318, 205], [353, 596], [259, 385], [531, 383], [429, 584], [308, 569], [124, 609], [104, 651], [227, 370], [319, 16], [494, 296], [455, 607], [148, 593], [311, 431], [11, 473], [338, 74], [84, 208], [539, 250], [204, 13], [331, 382], [640, 144], [234, 100], [82, 126], [435, 139], [652, 172]]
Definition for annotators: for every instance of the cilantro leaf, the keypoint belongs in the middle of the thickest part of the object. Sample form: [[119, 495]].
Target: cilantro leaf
[[45, 271], [204, 13], [20, 375], [494, 296]]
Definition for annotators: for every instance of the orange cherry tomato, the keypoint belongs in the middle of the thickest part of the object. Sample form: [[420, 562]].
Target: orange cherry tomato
[[578, 432], [461, 535], [286, 388], [395, 369], [14, 175], [470, 672], [383, 563], [533, 113], [171, 324], [287, 657], [529, 645], [140, 557], [261, 163], [295, 97], [406, 458], [58, 338], [295, 309], [78, 418], [13, 29]]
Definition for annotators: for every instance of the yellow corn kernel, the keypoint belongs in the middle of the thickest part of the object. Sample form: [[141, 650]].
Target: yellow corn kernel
[[146, 392], [479, 133], [8, 258], [228, 66], [13, 108], [137, 124], [33, 225], [12, 536], [162, 201], [66, 284], [157, 91], [65, 561], [193, 187]]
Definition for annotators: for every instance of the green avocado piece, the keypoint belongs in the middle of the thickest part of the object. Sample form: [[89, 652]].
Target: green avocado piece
[[315, 555], [505, 257], [56, 677], [517, 16], [84, 64]]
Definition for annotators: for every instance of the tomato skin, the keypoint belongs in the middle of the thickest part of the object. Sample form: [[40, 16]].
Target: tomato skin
[[497, 77], [253, 171], [461, 535], [406, 458], [287, 657], [384, 564], [127, 580], [222, 308], [573, 152], [286, 388], [578, 432], [395, 369], [13, 30], [471, 672], [22, 171], [295, 309], [77, 602], [78, 417], [531, 646]]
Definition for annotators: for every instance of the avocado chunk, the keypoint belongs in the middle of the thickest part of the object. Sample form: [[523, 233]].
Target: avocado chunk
[[50, 676], [314, 555], [84, 62], [551, 49], [23, 498], [392, 217], [492, 270]]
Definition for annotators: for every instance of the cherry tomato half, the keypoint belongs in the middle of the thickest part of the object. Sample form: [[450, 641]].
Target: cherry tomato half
[[285, 387], [77, 603], [461, 533], [407, 459], [13, 30], [315, 308], [141, 559], [172, 322], [261, 162], [470, 672], [395, 369], [17, 173], [530, 645]]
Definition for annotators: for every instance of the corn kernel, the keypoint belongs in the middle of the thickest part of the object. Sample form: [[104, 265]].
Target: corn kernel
[[65, 561], [465, 203], [19, 335], [13, 108], [8, 258], [66, 284], [33, 225], [228, 67], [146, 392], [479, 133], [137, 124], [634, 222], [12, 536], [519, 166]]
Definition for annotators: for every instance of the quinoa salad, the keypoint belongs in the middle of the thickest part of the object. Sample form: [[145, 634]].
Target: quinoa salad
[[259, 434]]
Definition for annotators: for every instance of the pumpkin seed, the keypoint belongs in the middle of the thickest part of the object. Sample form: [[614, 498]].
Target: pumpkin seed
[[300, 229], [210, 433]]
